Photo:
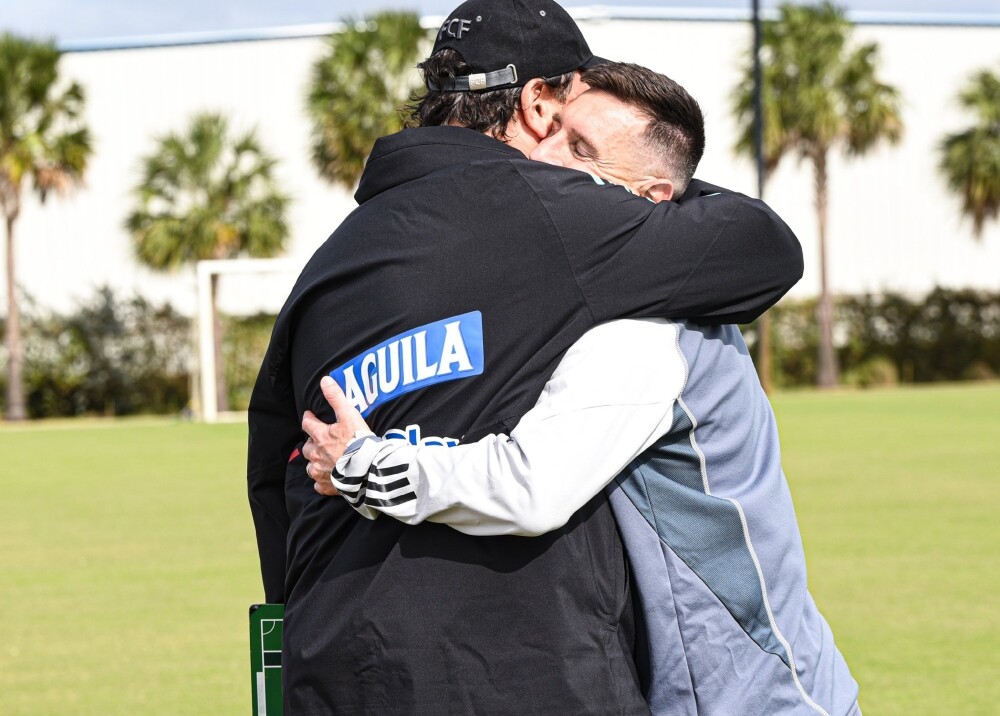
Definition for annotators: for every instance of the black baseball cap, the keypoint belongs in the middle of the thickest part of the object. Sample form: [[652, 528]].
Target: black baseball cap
[[507, 43]]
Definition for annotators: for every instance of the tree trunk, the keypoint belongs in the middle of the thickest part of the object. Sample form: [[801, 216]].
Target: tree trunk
[[764, 364], [221, 393], [15, 350], [826, 376]]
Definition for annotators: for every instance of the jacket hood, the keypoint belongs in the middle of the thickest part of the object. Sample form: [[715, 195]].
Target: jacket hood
[[415, 153]]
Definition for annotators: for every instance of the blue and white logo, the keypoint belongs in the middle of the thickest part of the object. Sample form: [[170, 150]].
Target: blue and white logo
[[413, 435], [450, 349]]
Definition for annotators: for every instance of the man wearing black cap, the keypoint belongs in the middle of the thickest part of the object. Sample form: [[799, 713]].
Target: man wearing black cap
[[443, 303]]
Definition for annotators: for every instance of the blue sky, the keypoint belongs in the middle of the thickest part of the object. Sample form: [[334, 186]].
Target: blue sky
[[87, 19]]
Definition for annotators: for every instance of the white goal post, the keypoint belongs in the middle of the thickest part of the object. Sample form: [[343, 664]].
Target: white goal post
[[205, 270]]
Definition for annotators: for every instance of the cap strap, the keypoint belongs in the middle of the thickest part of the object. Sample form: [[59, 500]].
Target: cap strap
[[475, 83]]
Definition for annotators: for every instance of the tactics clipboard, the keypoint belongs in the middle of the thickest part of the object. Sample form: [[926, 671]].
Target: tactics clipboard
[[265, 658]]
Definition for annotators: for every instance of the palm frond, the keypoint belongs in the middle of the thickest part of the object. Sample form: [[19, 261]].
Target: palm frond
[[970, 159], [42, 138], [357, 91], [207, 194]]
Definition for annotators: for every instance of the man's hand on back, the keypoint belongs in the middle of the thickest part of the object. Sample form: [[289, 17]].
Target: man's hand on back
[[327, 443]]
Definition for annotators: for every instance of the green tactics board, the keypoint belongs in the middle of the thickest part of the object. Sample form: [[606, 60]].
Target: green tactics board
[[265, 658]]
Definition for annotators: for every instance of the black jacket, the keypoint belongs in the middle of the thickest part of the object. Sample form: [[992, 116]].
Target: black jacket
[[443, 303]]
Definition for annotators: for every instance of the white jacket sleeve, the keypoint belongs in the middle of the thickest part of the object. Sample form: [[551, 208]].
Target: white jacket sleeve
[[610, 398]]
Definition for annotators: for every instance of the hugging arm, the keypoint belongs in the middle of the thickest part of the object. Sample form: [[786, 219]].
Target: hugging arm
[[715, 257], [610, 398]]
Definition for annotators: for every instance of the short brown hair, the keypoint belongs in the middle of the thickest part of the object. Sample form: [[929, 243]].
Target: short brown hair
[[482, 111], [676, 132]]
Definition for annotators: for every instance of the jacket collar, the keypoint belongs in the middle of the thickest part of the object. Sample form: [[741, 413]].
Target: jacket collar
[[415, 153]]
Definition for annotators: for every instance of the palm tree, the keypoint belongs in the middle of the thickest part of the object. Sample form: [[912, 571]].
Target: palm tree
[[358, 88], [207, 195], [818, 94], [42, 139], [970, 160]]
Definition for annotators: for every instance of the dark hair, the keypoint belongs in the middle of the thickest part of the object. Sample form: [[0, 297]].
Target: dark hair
[[482, 111], [676, 132]]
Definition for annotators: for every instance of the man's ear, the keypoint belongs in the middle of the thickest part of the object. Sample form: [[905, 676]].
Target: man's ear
[[656, 189], [538, 108]]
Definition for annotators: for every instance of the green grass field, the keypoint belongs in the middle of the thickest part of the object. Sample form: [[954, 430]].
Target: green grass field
[[128, 561]]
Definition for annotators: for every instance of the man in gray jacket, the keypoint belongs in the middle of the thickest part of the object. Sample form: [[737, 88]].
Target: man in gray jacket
[[670, 416]]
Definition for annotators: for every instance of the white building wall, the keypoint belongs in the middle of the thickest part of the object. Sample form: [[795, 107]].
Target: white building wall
[[70, 246], [892, 225]]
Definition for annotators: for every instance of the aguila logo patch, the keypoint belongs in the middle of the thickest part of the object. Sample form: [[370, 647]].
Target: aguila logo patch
[[450, 349]]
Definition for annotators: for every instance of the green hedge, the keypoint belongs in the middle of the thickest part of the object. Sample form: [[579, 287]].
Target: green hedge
[[882, 339], [246, 339], [113, 356], [123, 356]]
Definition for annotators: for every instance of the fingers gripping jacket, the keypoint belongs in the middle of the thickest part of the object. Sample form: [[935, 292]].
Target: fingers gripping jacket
[[372, 475]]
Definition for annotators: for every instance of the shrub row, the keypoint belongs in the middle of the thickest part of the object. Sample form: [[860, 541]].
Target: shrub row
[[125, 356], [112, 356], [887, 338]]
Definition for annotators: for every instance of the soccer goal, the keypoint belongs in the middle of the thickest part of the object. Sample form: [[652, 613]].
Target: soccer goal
[[261, 284]]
